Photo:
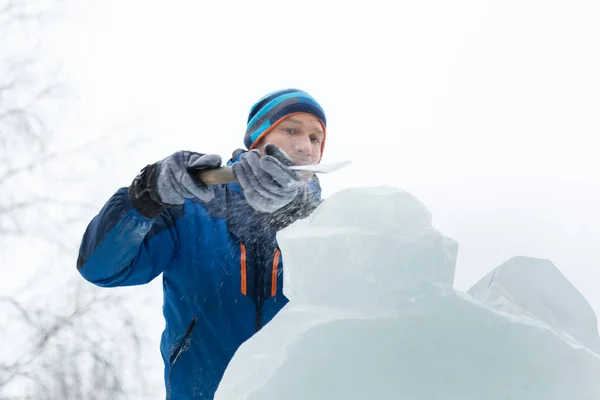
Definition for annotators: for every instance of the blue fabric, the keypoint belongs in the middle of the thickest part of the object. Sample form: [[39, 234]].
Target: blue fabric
[[259, 131], [272, 107], [265, 99], [299, 96], [301, 106], [197, 248]]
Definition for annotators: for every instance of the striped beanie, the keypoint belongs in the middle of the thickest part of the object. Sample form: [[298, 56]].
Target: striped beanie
[[274, 108]]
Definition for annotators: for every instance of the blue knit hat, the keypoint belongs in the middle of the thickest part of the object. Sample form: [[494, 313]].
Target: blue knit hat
[[274, 108]]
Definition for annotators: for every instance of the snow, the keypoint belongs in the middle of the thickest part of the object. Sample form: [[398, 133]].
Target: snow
[[372, 314]]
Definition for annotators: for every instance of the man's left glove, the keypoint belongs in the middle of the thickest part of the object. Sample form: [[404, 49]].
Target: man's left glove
[[267, 182], [271, 187]]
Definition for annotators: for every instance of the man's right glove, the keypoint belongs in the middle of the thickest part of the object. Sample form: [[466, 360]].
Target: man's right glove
[[170, 182]]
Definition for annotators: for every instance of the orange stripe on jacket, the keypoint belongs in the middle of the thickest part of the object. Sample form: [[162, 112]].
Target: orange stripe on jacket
[[274, 273], [243, 267]]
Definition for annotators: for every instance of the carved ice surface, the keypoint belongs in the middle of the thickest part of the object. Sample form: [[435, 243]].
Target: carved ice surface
[[373, 315], [525, 285], [360, 248]]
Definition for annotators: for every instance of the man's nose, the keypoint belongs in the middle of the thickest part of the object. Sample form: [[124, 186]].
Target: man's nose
[[302, 145]]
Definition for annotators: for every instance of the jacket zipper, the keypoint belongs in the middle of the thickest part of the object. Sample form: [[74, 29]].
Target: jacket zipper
[[179, 350], [259, 279], [259, 288]]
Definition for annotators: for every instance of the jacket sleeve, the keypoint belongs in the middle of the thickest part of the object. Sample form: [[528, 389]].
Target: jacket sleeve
[[122, 247]]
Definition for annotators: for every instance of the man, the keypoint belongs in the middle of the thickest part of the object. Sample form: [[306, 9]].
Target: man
[[215, 245]]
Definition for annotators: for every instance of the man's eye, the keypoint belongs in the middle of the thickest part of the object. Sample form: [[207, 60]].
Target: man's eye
[[315, 140], [289, 130]]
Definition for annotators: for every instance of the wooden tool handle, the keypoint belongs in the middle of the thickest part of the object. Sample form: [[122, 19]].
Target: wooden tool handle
[[217, 176]]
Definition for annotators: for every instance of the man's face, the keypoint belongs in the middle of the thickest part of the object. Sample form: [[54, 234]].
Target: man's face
[[300, 136]]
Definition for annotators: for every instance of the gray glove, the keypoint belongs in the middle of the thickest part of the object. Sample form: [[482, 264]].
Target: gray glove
[[175, 182], [170, 182], [267, 182]]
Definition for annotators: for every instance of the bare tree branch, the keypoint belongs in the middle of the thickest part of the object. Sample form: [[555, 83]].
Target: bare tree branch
[[7, 87], [60, 324], [25, 10], [73, 352], [15, 304], [40, 201], [51, 156]]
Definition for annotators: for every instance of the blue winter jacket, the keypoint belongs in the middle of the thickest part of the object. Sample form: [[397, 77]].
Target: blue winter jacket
[[221, 271]]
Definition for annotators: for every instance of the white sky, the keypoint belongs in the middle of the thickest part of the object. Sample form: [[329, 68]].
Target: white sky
[[486, 110]]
